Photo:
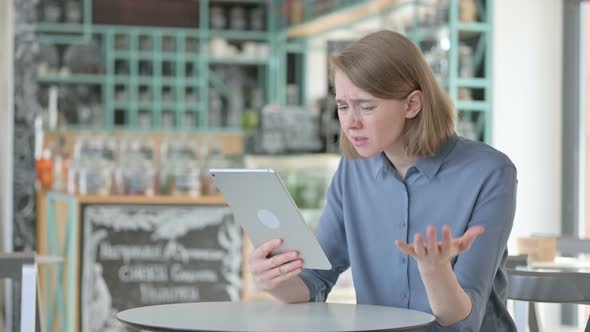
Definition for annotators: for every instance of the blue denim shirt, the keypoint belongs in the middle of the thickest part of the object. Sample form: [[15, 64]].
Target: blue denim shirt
[[369, 206]]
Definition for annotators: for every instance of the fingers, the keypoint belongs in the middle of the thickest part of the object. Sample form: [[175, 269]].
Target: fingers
[[283, 277], [264, 249], [474, 231], [264, 265], [446, 239], [432, 244], [419, 245], [448, 246], [407, 249], [468, 237], [281, 270], [268, 272]]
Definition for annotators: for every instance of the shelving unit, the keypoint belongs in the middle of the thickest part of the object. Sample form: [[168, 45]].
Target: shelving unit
[[159, 78], [471, 94], [169, 87]]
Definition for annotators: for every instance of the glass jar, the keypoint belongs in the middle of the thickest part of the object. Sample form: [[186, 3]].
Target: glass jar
[[257, 19], [52, 11], [74, 11], [468, 11], [72, 178], [139, 178], [94, 178], [137, 148], [185, 180], [217, 18], [237, 18], [466, 62]]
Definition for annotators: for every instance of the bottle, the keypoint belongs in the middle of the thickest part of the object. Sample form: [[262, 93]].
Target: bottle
[[256, 19], [186, 180], [61, 166], [468, 11], [237, 18], [466, 61], [217, 18], [44, 169], [136, 174]]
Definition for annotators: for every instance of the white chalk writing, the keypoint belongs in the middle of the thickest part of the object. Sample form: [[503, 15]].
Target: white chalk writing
[[143, 273], [180, 274], [152, 294]]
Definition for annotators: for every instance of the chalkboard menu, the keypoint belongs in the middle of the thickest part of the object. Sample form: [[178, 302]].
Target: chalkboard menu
[[139, 255]]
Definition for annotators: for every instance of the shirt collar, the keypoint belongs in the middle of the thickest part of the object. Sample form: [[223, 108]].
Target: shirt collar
[[428, 166]]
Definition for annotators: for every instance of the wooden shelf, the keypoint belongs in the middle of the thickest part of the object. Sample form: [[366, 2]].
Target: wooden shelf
[[128, 199], [341, 18], [154, 200]]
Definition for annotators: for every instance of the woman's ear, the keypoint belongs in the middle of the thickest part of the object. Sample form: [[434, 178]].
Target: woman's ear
[[414, 104]]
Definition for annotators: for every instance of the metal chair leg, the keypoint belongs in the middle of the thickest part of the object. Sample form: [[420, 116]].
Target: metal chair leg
[[534, 324]]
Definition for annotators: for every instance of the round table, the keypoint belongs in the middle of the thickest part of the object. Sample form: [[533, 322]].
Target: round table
[[551, 286], [273, 317]]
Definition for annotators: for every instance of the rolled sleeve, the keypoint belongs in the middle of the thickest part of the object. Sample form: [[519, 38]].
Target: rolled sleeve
[[317, 287], [470, 323]]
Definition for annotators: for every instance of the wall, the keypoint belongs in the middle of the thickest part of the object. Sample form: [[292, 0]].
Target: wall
[[527, 116], [527, 81]]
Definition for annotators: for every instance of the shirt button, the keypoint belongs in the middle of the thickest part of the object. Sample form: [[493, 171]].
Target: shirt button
[[403, 260], [403, 224]]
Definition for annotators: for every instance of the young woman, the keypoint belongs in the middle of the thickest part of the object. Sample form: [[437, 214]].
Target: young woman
[[405, 179]]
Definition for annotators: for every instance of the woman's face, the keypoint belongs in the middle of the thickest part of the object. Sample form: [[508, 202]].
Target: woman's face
[[372, 125]]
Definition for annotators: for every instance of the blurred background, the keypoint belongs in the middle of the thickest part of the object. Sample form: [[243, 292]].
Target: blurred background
[[112, 111]]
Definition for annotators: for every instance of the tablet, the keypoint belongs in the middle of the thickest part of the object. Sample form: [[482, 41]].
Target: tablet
[[263, 206]]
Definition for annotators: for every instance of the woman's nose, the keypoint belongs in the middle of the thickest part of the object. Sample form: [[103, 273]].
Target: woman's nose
[[352, 119]]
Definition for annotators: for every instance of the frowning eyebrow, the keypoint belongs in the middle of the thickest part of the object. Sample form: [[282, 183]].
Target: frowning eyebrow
[[355, 101]]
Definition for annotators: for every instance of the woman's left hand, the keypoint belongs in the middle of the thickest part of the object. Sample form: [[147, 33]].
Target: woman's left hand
[[433, 255]]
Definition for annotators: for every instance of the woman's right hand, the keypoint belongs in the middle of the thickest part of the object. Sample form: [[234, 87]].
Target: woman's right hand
[[270, 272]]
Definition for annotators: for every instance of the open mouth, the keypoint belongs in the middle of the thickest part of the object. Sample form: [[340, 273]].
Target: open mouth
[[358, 141]]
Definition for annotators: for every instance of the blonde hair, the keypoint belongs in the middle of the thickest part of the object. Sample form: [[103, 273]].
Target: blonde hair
[[388, 65]]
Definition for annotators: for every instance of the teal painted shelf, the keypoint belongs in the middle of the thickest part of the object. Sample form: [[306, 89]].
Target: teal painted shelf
[[474, 27], [465, 30], [147, 55], [121, 104], [481, 83], [145, 30], [240, 35], [238, 61], [472, 106]]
